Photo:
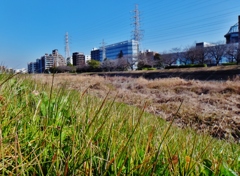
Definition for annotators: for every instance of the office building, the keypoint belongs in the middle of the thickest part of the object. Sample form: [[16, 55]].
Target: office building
[[128, 48], [95, 54]]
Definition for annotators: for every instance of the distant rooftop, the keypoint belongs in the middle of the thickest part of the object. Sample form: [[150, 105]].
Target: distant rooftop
[[233, 29], [233, 34]]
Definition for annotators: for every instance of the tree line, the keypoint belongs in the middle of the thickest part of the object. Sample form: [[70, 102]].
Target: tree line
[[210, 55]]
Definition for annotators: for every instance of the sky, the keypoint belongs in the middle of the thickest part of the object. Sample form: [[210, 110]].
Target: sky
[[31, 28]]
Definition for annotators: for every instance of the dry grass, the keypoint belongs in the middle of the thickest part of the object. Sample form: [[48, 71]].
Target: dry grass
[[212, 107]]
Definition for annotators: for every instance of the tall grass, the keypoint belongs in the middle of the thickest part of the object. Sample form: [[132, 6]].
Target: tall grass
[[47, 130]]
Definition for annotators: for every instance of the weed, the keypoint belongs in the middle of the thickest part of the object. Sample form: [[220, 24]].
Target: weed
[[51, 130]]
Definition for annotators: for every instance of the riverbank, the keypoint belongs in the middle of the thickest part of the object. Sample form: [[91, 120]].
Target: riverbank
[[204, 74]]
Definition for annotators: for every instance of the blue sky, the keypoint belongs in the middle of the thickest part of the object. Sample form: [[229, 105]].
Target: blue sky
[[31, 28]]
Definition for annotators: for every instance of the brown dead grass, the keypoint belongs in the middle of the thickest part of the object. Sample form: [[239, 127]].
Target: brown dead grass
[[212, 107]]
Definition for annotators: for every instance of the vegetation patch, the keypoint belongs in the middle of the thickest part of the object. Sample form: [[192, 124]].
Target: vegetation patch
[[230, 63], [186, 66], [200, 98], [48, 129]]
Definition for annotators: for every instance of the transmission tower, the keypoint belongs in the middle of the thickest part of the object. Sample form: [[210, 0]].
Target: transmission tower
[[137, 32], [67, 51], [103, 50]]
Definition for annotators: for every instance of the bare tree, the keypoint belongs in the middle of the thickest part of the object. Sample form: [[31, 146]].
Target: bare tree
[[146, 59], [238, 54], [168, 59], [158, 60], [122, 63], [172, 56], [232, 52], [108, 65], [202, 55], [132, 60], [176, 54], [142, 60], [217, 51], [191, 54]]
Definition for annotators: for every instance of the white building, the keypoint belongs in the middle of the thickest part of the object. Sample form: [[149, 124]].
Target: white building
[[87, 58], [22, 70], [204, 44], [69, 61]]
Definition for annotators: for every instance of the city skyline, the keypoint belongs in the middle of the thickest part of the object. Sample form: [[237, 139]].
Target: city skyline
[[29, 29]]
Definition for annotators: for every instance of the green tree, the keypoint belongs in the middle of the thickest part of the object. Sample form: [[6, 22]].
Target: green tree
[[93, 63]]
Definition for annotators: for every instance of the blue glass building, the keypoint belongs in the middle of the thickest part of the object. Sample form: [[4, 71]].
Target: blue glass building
[[128, 48]]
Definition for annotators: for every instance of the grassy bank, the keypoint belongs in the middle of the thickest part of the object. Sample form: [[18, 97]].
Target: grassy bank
[[47, 129], [208, 106]]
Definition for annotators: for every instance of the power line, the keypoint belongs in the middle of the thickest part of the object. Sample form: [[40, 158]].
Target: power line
[[164, 30]]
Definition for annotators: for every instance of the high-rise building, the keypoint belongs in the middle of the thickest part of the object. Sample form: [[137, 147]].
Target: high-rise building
[[78, 59], [38, 65], [47, 61], [58, 58], [95, 54], [32, 67]]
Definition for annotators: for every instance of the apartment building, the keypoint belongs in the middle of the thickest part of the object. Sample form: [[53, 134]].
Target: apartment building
[[78, 59]]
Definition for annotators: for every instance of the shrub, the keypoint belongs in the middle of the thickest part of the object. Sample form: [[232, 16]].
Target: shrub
[[230, 63], [172, 66], [186, 66], [149, 68]]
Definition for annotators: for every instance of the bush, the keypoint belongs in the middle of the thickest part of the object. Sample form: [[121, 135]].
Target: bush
[[186, 66], [86, 68], [172, 66], [149, 68], [230, 63]]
